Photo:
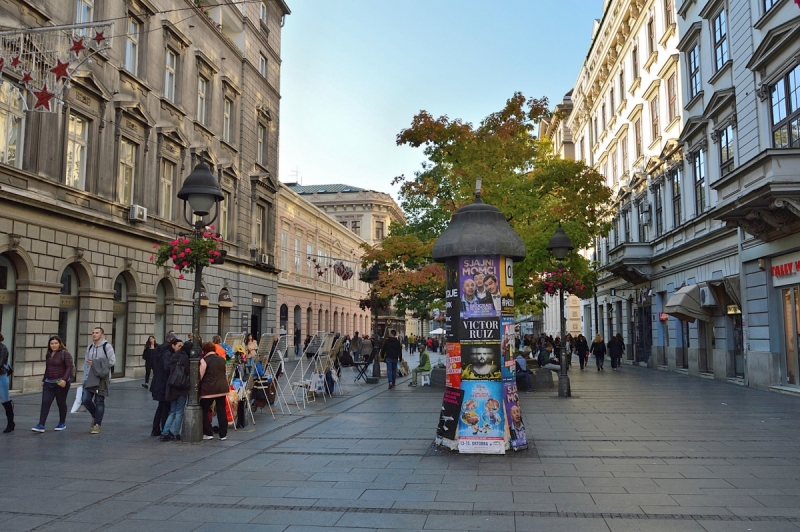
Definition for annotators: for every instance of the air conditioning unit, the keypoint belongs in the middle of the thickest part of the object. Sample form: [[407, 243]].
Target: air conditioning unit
[[263, 258], [137, 214], [707, 297]]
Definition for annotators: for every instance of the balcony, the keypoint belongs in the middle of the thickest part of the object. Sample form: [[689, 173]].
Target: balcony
[[630, 261]]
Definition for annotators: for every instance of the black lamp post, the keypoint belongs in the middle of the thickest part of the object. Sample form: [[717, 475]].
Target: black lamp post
[[201, 190], [560, 245]]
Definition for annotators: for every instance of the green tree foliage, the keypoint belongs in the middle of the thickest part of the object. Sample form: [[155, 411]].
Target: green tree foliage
[[534, 188]]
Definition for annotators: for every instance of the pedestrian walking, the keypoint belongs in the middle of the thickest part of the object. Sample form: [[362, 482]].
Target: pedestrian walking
[[55, 383], [148, 354], [100, 358], [355, 346], [598, 349], [616, 347], [213, 389], [158, 388], [297, 339], [177, 391], [5, 371], [582, 348], [392, 352]]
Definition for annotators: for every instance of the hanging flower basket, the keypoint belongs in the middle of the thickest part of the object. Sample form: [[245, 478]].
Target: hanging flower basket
[[550, 282], [186, 253]]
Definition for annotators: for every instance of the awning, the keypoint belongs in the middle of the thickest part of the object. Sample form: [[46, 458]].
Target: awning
[[734, 290], [685, 305]]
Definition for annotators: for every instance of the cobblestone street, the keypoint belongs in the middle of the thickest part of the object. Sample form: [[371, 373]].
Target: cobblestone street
[[634, 450]]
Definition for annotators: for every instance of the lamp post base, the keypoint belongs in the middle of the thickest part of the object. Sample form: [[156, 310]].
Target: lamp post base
[[192, 424], [372, 380], [563, 386]]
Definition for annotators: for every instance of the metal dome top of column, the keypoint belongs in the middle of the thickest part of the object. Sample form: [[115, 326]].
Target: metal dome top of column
[[478, 229]]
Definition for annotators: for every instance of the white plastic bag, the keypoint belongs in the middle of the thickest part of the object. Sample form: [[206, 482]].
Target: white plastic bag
[[77, 405]]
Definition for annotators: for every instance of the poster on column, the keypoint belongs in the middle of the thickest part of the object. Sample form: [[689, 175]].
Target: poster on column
[[481, 426], [453, 371], [480, 288], [507, 286], [452, 302], [451, 408], [507, 348], [516, 427], [481, 361]]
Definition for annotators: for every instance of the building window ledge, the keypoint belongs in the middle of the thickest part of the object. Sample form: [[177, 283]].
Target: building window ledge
[[766, 17], [621, 106], [635, 85], [651, 60], [697, 98], [667, 34], [721, 72], [135, 81], [172, 107], [675, 121], [654, 143]]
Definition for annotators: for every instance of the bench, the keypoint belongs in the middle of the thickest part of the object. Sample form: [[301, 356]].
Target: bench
[[542, 378]]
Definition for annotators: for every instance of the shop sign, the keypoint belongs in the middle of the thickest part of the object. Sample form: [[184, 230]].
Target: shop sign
[[785, 269], [663, 316], [225, 299], [258, 301], [203, 296], [734, 309]]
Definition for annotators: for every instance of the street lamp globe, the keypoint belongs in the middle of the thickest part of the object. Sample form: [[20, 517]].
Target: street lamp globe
[[560, 244], [201, 190]]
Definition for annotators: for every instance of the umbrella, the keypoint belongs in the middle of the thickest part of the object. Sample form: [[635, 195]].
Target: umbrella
[[437, 331]]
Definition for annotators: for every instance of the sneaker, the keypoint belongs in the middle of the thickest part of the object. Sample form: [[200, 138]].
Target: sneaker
[[38, 428], [61, 426], [95, 429], [145, 386], [223, 438], [207, 437], [167, 437]]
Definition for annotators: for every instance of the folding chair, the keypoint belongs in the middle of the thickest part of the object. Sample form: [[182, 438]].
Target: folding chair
[[301, 382], [364, 366]]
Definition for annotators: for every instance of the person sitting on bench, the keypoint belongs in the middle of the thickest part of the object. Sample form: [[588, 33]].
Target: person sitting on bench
[[523, 373], [553, 363], [424, 365]]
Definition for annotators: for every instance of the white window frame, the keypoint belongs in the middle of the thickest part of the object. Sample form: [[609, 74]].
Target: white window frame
[[693, 66], [77, 148], [84, 13], [263, 12], [261, 217], [202, 93], [166, 188], [261, 145], [284, 251], [170, 74], [224, 215], [262, 65], [227, 117], [719, 38], [132, 46], [128, 152]]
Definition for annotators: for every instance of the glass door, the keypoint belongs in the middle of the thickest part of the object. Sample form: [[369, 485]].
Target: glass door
[[790, 328]]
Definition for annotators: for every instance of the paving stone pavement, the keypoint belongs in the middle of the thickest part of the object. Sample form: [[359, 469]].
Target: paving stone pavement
[[631, 450]]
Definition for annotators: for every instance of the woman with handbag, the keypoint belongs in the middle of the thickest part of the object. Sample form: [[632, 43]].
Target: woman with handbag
[[55, 383], [213, 389], [5, 371], [147, 355], [177, 391], [598, 349]]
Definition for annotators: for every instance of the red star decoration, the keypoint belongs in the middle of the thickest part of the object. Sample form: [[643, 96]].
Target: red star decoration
[[2, 63], [77, 46], [43, 98], [16, 61], [98, 37], [60, 70], [26, 78]]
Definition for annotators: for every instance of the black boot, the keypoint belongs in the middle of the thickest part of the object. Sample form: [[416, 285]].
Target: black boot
[[9, 407]]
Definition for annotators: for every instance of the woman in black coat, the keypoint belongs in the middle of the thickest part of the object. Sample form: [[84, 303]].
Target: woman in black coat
[[616, 347], [176, 393], [598, 349], [582, 348], [147, 355], [158, 386]]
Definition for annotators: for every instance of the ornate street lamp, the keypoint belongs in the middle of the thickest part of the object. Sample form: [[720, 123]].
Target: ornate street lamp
[[560, 245], [201, 190]]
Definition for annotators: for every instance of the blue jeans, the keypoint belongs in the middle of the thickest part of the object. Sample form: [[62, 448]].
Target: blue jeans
[[175, 418], [391, 369], [95, 404], [354, 352], [4, 395]]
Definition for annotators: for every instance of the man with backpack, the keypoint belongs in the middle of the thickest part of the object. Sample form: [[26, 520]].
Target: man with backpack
[[100, 358]]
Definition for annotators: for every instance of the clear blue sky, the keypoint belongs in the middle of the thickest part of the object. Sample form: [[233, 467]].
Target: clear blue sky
[[355, 72]]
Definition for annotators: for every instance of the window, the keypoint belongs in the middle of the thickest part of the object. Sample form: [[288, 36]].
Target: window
[[613, 157], [284, 251], [769, 4], [77, 137], [379, 231], [263, 12], [617, 230], [12, 121], [644, 218], [676, 197], [594, 124], [658, 201], [637, 131], [785, 102], [227, 113], [720, 36], [669, 12], [654, 130], [651, 36], [621, 84], [166, 188], [693, 64], [355, 227], [297, 254], [583, 149], [635, 61], [611, 99], [84, 13], [672, 97], [309, 255], [224, 214], [261, 226], [127, 171], [623, 148], [626, 224], [603, 116], [202, 89], [261, 148], [262, 65], [171, 66], [699, 171], [132, 47], [726, 150]]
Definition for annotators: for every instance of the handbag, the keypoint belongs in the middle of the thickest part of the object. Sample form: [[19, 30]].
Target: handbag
[[77, 405], [8, 368], [178, 379]]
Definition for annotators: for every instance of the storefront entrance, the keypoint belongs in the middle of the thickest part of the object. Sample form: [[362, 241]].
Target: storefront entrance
[[644, 333], [790, 297]]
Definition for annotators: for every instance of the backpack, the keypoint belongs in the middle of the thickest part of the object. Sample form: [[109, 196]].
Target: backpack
[[178, 379]]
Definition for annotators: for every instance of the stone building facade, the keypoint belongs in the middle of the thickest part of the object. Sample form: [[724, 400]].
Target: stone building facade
[[89, 189], [311, 296]]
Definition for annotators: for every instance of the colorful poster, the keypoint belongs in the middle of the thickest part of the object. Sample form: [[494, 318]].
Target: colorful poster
[[481, 361], [480, 329], [516, 428], [507, 348], [507, 286], [452, 301], [480, 288], [481, 426], [453, 371], [451, 408]]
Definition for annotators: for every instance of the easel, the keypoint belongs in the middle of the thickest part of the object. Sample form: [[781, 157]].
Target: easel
[[301, 383]]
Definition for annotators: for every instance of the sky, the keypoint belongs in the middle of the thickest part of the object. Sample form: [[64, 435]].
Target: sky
[[355, 72]]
